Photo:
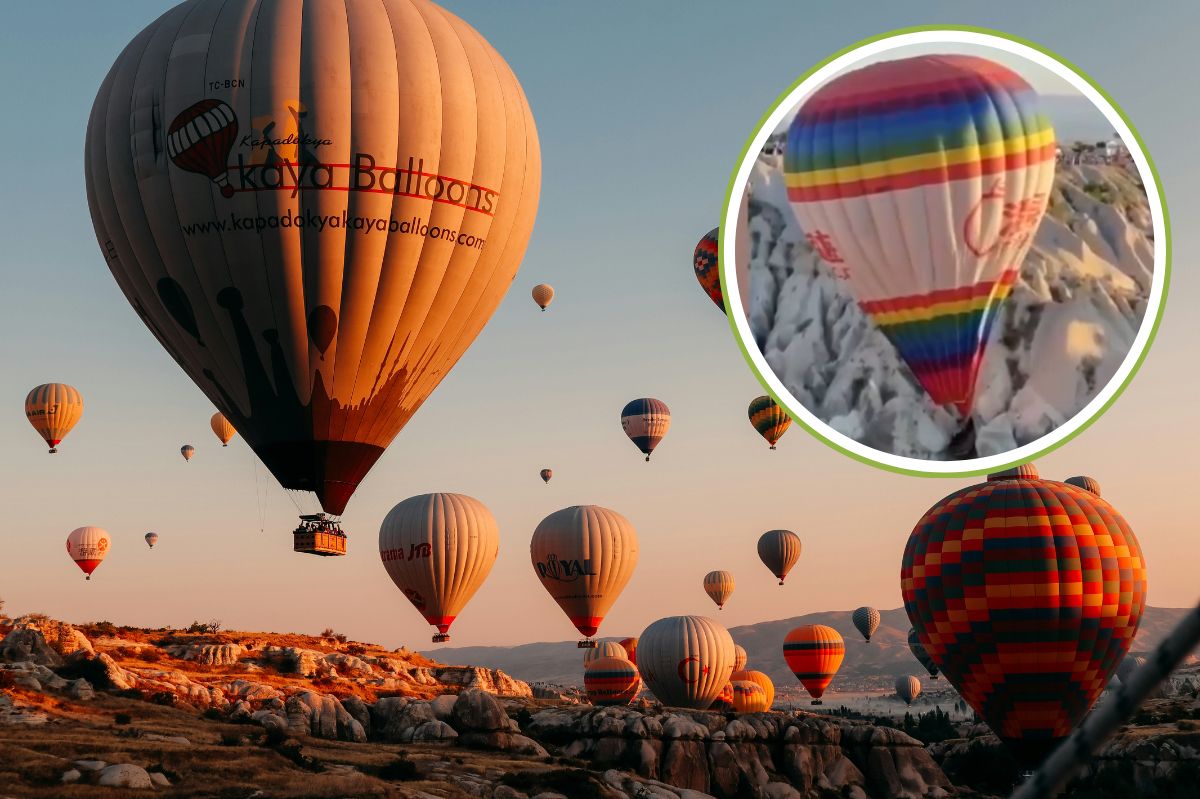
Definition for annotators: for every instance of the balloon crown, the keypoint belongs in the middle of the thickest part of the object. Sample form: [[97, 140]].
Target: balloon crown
[[1026, 471]]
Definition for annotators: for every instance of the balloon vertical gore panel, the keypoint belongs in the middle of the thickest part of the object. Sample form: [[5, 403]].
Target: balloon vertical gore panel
[[929, 212]]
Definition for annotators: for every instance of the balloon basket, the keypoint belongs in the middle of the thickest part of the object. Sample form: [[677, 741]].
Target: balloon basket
[[441, 638], [817, 702], [53, 450], [317, 535], [586, 644]]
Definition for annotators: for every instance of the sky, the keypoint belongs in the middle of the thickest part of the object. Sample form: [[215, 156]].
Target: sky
[[647, 107]]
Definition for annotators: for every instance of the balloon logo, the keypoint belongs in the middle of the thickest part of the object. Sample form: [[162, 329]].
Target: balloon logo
[[688, 674], [200, 138]]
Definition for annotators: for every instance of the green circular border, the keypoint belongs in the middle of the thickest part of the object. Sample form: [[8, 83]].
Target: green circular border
[[1166, 247]]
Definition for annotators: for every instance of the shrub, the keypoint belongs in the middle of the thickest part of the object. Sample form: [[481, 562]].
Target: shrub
[[122, 718], [213, 714], [400, 769], [327, 632], [7, 680], [165, 698], [104, 628]]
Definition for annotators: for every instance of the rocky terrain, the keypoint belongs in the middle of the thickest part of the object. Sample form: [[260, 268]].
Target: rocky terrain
[[1060, 337], [101, 711]]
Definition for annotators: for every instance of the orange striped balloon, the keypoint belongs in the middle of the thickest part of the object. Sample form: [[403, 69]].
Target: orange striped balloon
[[611, 681], [53, 409], [758, 678], [221, 426], [749, 697], [814, 653], [724, 700]]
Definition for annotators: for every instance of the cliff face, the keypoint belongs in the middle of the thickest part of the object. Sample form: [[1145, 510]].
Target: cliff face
[[1061, 335]]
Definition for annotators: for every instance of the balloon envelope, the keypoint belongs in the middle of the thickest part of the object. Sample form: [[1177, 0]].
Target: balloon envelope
[[604, 649], [583, 556], [770, 420], [438, 549], [779, 550], [151, 539], [53, 409], [646, 422], [315, 208], [546, 474], [719, 586], [921, 182], [222, 428], [543, 295], [611, 681], [88, 546], [814, 653], [749, 697], [908, 688], [866, 621], [630, 646], [918, 650], [187, 451], [1027, 593], [685, 660], [706, 263], [739, 657], [760, 679]]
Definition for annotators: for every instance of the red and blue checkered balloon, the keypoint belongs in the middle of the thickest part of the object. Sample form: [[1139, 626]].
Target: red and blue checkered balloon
[[1027, 594]]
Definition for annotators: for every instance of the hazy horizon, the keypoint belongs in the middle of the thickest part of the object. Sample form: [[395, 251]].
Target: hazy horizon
[[638, 144]]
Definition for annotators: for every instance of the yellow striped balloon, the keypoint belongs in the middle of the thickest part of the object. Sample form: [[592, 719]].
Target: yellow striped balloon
[[749, 697], [543, 295], [768, 419], [758, 678], [221, 426], [739, 657], [53, 409], [611, 681], [719, 587], [604, 649]]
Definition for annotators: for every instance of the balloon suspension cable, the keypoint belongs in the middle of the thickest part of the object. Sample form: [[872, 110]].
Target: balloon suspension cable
[[1076, 751]]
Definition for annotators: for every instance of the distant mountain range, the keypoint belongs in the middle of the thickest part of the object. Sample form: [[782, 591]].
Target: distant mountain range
[[880, 661]]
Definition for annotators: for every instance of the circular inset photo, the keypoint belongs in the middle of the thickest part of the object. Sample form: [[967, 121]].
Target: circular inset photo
[[951, 251]]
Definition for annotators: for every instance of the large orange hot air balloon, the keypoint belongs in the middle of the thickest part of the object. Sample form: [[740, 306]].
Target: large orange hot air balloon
[[749, 697], [53, 409], [315, 208], [779, 550], [814, 653], [438, 549], [583, 556], [921, 182], [758, 678], [611, 681], [1027, 593], [222, 428], [88, 546]]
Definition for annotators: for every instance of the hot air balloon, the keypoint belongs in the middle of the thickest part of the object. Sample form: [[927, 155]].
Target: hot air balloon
[[814, 653], [908, 688], [584, 555], [315, 208], [221, 426], [918, 650], [1086, 483], [921, 182], [604, 649], [543, 295], [768, 419], [779, 550], [866, 621], [630, 646], [686, 660], [187, 451], [611, 681], [706, 263], [1129, 664], [546, 475], [438, 549], [1027, 594], [749, 697], [719, 587], [739, 657], [646, 422], [724, 700], [53, 409], [151, 539], [758, 678], [88, 547]]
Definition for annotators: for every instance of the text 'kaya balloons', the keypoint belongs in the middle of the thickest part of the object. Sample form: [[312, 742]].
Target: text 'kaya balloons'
[[88, 546], [706, 262], [646, 421], [768, 419], [438, 549], [1027, 594], [685, 660], [611, 681], [53, 409], [583, 556], [315, 207], [922, 181]]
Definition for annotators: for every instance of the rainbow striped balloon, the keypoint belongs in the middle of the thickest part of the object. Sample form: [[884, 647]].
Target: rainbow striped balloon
[[611, 681], [1027, 593], [921, 182]]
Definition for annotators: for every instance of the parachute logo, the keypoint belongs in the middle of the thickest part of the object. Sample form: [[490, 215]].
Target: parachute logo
[[200, 138], [565, 571]]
